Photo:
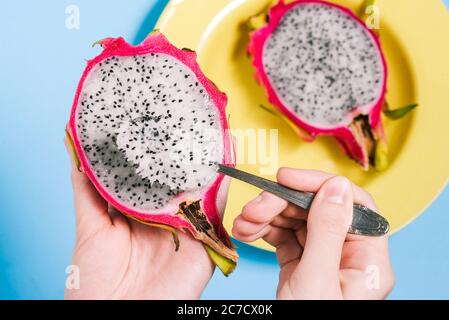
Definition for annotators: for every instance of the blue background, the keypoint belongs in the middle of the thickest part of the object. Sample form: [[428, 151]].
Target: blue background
[[40, 64]]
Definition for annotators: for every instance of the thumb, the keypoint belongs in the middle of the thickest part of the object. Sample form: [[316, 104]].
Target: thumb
[[90, 208], [222, 196], [328, 223]]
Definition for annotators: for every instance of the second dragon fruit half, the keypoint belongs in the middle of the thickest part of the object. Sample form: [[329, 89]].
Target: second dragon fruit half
[[325, 72]]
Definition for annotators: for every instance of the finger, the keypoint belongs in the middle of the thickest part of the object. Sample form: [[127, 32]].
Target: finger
[[286, 244], [278, 236], [222, 195], [287, 223], [312, 180], [295, 212], [302, 180], [301, 235], [364, 198], [263, 208], [252, 237], [329, 220], [245, 227], [289, 251], [90, 208]]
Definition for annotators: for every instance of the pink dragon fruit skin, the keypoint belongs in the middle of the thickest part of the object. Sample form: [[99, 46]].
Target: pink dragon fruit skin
[[202, 202], [347, 138]]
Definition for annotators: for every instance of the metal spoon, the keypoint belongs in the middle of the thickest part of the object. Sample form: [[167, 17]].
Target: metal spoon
[[365, 221]]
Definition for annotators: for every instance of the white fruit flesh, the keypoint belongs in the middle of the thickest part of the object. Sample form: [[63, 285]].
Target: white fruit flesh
[[149, 130], [324, 66]]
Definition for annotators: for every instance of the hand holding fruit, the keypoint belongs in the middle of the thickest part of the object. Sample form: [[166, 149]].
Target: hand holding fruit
[[119, 258]]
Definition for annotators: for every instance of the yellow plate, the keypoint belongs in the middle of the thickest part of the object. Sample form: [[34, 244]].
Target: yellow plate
[[416, 43]]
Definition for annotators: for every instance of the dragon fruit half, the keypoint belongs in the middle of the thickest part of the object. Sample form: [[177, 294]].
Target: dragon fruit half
[[148, 129], [324, 70]]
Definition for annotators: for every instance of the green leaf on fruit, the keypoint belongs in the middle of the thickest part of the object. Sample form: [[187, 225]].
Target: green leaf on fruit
[[269, 110], [400, 113]]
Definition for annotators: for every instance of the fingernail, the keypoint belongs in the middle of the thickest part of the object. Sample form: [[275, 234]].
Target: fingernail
[[256, 200], [336, 190]]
